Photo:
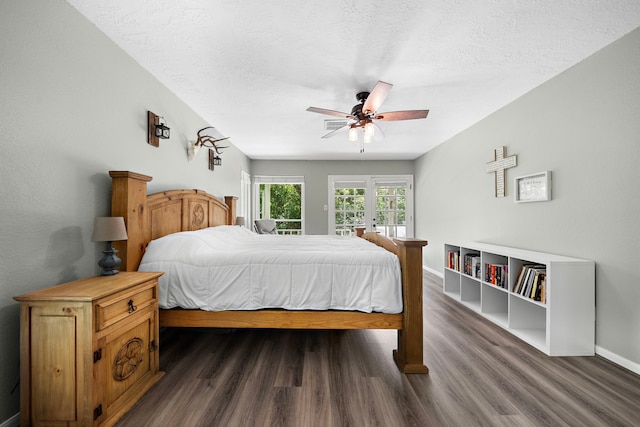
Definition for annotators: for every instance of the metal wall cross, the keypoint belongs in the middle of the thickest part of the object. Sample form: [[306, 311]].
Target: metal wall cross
[[499, 165]]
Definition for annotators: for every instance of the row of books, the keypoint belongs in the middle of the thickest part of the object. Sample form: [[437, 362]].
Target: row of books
[[531, 282], [497, 274], [453, 260], [471, 265]]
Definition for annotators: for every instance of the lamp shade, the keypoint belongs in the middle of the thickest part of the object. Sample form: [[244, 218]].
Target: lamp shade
[[109, 229], [240, 221]]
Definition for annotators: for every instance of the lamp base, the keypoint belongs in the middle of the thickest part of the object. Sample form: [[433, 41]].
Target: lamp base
[[110, 262]]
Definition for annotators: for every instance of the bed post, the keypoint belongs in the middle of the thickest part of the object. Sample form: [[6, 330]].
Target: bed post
[[128, 198], [408, 355], [230, 201]]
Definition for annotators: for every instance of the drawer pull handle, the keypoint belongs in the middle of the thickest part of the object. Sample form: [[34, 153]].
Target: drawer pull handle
[[132, 307]]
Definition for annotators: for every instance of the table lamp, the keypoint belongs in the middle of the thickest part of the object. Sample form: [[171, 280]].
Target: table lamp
[[109, 229]]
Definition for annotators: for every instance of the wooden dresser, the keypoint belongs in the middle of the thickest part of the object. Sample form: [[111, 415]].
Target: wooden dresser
[[88, 349]]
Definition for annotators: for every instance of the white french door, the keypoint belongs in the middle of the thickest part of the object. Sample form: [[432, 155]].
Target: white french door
[[382, 203]]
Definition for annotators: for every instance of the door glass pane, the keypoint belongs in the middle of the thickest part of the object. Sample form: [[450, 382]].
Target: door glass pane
[[349, 202], [390, 209]]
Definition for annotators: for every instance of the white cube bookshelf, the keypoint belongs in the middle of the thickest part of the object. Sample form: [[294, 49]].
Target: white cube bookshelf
[[562, 325]]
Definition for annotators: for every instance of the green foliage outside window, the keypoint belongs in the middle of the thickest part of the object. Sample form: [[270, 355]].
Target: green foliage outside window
[[285, 203]]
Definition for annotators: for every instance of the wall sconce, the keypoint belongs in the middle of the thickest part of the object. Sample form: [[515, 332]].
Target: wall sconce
[[157, 129], [214, 160], [109, 229]]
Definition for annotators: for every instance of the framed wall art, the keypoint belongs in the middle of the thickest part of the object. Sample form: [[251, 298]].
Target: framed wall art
[[533, 188]]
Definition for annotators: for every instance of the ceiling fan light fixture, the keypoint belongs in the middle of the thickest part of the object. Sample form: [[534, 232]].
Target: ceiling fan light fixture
[[369, 131], [353, 133]]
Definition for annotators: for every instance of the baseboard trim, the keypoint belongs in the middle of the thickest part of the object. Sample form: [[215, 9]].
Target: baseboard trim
[[12, 422], [618, 360], [432, 271]]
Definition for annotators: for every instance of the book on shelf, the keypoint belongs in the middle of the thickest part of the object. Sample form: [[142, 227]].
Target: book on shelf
[[497, 274], [530, 282], [453, 260], [521, 274], [534, 286], [471, 265], [476, 267], [539, 293], [537, 274]]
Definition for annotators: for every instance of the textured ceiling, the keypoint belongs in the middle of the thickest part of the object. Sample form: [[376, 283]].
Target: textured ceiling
[[251, 68]]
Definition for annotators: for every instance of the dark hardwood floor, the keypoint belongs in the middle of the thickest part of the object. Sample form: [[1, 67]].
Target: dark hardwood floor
[[480, 375]]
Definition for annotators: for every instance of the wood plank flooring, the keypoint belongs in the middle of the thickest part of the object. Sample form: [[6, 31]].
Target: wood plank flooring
[[480, 375]]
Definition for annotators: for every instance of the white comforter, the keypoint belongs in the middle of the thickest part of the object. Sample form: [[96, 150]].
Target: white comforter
[[232, 268]]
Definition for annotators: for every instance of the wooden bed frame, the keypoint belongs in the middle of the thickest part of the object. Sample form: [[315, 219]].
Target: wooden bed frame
[[149, 217]]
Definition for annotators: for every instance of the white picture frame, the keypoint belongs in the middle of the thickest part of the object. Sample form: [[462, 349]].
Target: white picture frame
[[533, 188]]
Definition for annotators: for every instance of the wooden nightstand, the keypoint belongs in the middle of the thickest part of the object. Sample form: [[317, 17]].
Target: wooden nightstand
[[88, 349]]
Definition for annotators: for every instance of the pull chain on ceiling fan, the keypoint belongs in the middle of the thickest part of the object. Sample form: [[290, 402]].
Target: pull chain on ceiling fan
[[364, 114]]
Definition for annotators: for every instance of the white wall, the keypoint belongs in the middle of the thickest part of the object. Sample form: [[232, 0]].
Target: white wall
[[584, 126], [73, 106], [316, 175]]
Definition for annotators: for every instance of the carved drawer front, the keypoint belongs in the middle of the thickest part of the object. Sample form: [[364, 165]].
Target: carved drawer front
[[128, 359], [124, 304]]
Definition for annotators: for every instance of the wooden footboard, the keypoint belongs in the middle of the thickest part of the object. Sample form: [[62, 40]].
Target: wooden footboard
[[152, 216]]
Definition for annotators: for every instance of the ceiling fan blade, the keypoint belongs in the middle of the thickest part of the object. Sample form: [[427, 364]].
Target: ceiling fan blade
[[402, 115], [376, 97], [336, 132], [331, 112]]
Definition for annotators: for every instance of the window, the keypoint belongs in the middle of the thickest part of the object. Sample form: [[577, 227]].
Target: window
[[280, 198]]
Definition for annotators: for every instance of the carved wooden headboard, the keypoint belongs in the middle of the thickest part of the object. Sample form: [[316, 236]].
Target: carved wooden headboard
[[149, 217]]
